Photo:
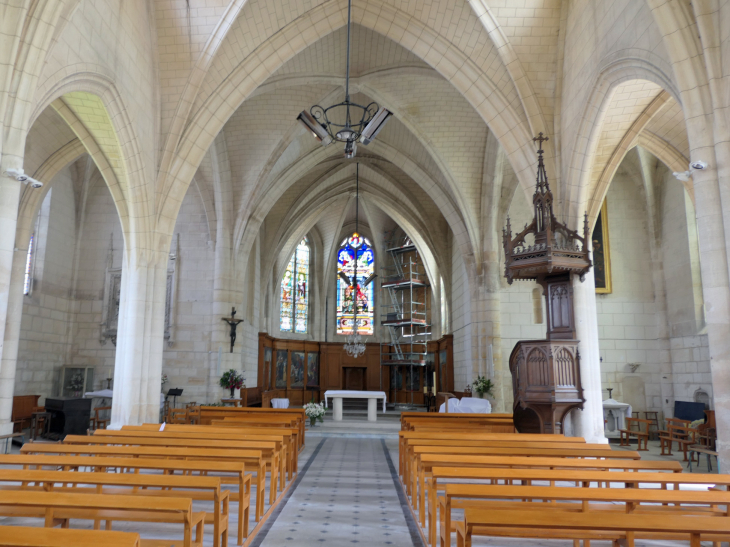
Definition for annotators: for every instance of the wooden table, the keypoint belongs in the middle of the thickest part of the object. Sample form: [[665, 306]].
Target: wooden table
[[234, 402]]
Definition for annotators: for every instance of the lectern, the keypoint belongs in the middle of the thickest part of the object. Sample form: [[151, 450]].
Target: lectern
[[69, 416]]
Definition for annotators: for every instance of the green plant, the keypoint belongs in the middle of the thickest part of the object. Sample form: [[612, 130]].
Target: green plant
[[483, 385], [232, 379], [76, 383]]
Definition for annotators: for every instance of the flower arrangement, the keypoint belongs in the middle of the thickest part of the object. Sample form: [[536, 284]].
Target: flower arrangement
[[76, 383], [315, 412], [232, 380], [164, 379], [483, 385]]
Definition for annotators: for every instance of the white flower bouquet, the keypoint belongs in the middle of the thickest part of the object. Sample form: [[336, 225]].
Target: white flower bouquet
[[315, 412]]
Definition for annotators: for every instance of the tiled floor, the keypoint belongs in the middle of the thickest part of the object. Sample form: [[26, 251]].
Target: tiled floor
[[346, 495]]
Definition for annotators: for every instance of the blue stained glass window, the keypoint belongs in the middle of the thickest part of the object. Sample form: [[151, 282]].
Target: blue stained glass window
[[351, 247]]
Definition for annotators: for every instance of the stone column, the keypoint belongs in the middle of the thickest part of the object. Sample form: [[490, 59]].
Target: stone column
[[9, 201], [588, 422], [140, 338]]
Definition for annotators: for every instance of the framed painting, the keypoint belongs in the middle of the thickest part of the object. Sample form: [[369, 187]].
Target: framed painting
[[313, 370], [296, 373], [413, 378], [282, 356], [267, 368], [442, 370], [602, 253]]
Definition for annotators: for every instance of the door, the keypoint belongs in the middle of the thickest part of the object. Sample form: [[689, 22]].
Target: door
[[355, 378]]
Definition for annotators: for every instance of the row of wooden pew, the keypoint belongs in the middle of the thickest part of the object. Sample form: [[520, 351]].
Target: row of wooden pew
[[154, 473], [585, 492]]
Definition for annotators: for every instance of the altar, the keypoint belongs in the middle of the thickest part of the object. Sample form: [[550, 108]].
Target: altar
[[338, 394]]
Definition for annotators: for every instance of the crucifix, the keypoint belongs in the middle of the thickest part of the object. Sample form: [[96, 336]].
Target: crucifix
[[233, 322]]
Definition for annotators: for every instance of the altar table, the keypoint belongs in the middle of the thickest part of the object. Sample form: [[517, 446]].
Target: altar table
[[338, 394], [279, 403]]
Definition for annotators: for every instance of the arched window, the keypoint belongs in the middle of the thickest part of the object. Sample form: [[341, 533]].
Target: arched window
[[294, 316], [346, 268], [28, 280]]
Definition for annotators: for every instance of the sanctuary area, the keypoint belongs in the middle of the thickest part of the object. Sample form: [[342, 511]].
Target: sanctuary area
[[391, 272]]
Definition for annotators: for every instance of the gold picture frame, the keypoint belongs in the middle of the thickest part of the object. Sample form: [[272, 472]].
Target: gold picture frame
[[602, 252]]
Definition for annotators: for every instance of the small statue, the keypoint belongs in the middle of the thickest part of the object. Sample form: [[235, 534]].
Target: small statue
[[233, 322]]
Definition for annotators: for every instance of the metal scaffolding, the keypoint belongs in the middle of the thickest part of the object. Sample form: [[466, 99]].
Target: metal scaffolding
[[404, 304]]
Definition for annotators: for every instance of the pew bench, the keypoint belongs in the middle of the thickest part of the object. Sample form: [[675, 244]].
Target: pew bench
[[580, 477], [248, 457], [624, 528], [28, 536], [460, 438], [642, 437], [622, 500], [430, 461], [61, 507], [186, 486], [233, 473], [271, 450], [207, 433]]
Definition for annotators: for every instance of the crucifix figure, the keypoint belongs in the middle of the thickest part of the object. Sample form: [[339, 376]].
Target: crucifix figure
[[233, 322]]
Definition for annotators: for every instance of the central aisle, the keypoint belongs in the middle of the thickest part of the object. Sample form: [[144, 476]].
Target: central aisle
[[346, 493]]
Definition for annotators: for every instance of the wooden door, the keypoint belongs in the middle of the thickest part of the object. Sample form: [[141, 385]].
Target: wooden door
[[355, 378]]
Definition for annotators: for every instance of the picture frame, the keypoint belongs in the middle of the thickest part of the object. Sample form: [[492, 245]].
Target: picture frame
[[602, 252]]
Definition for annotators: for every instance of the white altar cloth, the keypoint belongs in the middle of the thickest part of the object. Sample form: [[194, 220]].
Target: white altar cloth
[[109, 393], [348, 394], [279, 403], [338, 394]]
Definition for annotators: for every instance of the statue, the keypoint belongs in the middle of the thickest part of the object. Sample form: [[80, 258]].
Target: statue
[[233, 322]]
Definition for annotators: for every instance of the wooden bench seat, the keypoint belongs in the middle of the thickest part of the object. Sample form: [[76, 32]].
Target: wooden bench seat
[[459, 438], [253, 458], [625, 500], [186, 486], [289, 449], [577, 526], [271, 450], [61, 507], [429, 461], [26, 536], [213, 412], [642, 437], [233, 473]]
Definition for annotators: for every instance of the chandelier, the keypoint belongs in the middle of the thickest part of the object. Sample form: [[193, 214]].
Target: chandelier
[[354, 346], [345, 122]]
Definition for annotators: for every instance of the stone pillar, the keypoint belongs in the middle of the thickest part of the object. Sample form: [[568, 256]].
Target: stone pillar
[[588, 422], [9, 201], [140, 338]]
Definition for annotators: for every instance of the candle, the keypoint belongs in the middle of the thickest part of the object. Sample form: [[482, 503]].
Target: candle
[[434, 383], [425, 389]]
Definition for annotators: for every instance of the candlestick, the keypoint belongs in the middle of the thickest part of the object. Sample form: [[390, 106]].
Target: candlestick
[[434, 383]]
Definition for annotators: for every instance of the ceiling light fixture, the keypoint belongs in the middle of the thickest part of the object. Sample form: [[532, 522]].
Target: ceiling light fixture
[[346, 122]]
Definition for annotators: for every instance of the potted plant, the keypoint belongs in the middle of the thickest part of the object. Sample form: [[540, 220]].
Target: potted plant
[[232, 380], [483, 385], [315, 412], [163, 380]]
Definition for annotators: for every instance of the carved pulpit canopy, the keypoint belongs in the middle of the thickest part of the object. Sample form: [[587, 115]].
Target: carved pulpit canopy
[[556, 248]]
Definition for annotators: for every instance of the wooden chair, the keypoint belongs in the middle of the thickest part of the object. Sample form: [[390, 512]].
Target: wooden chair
[[98, 422], [633, 429], [672, 434], [23, 406], [193, 415], [191, 405], [40, 421], [177, 416], [653, 417]]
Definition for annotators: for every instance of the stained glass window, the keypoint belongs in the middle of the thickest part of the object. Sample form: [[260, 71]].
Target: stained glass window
[[294, 313], [29, 266], [360, 246]]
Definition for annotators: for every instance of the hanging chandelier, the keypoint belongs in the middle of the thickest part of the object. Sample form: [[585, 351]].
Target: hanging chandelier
[[345, 122], [354, 346]]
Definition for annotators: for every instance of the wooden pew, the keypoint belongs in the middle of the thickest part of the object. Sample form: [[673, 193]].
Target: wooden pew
[[289, 436], [408, 415], [429, 461], [269, 449], [569, 525], [642, 437], [217, 412], [14, 536], [253, 458], [61, 506], [459, 438], [167, 466], [289, 425], [583, 477], [193, 487], [423, 459], [625, 500]]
